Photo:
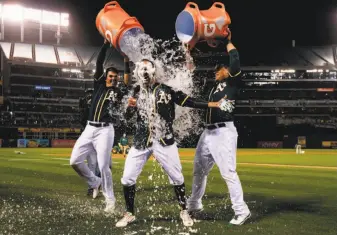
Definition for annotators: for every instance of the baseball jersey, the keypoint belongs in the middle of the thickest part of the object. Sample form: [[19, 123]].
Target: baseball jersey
[[226, 88], [156, 113], [105, 103]]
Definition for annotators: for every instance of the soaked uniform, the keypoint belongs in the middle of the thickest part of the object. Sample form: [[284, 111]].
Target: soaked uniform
[[154, 132], [218, 143], [98, 134]]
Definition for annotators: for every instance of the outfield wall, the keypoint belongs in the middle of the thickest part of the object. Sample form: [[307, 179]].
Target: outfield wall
[[290, 142]]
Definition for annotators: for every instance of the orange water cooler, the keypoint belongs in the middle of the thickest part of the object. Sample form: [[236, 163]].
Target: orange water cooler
[[116, 25], [194, 25]]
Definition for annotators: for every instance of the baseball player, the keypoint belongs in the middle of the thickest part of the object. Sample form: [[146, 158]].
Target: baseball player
[[218, 143], [155, 107], [98, 134], [123, 144]]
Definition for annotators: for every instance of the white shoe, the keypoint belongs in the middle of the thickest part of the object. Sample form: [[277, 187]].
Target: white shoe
[[110, 207], [127, 219], [96, 190], [240, 219], [192, 209], [186, 218]]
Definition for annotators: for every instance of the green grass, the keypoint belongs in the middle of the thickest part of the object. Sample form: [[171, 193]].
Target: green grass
[[41, 194]]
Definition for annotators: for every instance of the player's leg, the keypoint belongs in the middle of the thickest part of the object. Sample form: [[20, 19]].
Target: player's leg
[[223, 147], [203, 163], [134, 164], [103, 142], [82, 148], [168, 158], [92, 164]]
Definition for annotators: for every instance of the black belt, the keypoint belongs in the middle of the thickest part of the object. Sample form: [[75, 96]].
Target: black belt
[[100, 124], [215, 126]]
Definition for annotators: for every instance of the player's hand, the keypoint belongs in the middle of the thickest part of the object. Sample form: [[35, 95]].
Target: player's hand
[[226, 39], [229, 37], [132, 102]]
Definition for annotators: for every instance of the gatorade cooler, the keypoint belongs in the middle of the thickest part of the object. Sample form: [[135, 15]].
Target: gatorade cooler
[[116, 25], [193, 25]]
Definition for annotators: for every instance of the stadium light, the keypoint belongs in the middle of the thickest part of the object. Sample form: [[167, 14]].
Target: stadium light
[[50, 18], [12, 12], [32, 15], [18, 13], [65, 19]]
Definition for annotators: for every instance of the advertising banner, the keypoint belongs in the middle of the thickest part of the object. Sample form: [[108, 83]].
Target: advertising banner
[[38, 143], [269, 144], [329, 144], [22, 143], [53, 130], [63, 143]]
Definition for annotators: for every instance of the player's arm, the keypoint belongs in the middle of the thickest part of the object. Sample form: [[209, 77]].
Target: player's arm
[[184, 100], [189, 59], [100, 61], [234, 58]]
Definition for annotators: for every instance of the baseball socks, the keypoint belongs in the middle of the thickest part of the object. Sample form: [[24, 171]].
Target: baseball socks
[[180, 193], [129, 196]]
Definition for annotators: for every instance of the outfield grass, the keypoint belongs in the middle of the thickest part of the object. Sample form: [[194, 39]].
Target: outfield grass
[[287, 194]]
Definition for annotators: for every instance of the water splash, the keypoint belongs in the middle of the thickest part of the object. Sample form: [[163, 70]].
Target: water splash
[[169, 58]]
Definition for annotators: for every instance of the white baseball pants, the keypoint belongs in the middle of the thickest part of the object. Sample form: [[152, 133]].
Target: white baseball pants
[[167, 157], [99, 139], [218, 147], [92, 162]]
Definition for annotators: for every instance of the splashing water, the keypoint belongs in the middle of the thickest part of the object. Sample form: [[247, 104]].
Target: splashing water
[[171, 70]]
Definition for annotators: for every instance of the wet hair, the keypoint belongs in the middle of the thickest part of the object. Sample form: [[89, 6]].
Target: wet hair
[[150, 61], [111, 69], [219, 67]]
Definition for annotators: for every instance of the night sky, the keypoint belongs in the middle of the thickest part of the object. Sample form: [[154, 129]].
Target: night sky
[[255, 23]]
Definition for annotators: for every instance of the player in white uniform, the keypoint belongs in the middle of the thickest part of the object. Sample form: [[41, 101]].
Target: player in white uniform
[[155, 107], [218, 143], [98, 134]]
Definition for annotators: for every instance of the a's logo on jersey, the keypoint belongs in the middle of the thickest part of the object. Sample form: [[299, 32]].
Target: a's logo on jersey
[[112, 96], [220, 87], [164, 98]]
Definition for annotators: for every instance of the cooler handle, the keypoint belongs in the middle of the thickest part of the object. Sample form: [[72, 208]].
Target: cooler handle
[[219, 5], [113, 4], [192, 5], [134, 19]]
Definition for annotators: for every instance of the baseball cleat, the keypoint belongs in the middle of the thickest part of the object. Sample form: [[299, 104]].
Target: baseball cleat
[[195, 209], [95, 191], [110, 207], [186, 218], [127, 219], [240, 219], [90, 192]]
